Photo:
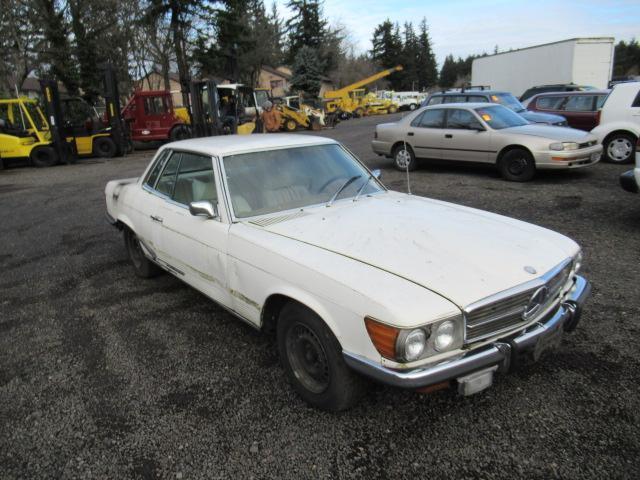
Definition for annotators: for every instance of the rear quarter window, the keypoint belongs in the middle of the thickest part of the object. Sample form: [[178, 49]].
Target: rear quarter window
[[152, 176], [636, 101], [550, 103], [435, 100]]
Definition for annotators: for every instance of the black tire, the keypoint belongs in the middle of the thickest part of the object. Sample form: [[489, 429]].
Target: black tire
[[44, 156], [517, 166], [358, 112], [142, 266], [619, 148], [179, 132], [401, 155], [104, 147], [393, 109], [312, 359], [413, 106]]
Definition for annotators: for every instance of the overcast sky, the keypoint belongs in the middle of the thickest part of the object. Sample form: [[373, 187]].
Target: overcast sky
[[464, 27]]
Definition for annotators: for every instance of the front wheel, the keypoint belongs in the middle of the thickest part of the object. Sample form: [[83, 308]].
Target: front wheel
[[517, 166], [413, 106], [142, 266], [619, 148], [312, 359], [104, 147], [290, 125], [44, 156]]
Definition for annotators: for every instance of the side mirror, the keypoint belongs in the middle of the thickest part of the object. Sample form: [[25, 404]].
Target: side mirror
[[203, 209], [376, 173]]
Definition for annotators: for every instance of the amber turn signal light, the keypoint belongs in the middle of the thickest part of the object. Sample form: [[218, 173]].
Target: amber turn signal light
[[383, 337]]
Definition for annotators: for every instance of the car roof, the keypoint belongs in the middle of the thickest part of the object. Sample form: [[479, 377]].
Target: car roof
[[231, 144], [471, 92], [468, 105], [572, 93]]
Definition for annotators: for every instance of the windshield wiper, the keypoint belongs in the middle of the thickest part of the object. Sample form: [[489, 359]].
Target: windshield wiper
[[362, 187], [344, 185]]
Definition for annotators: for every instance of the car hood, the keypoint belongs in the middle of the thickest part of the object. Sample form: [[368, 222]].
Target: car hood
[[460, 253], [537, 117], [562, 134]]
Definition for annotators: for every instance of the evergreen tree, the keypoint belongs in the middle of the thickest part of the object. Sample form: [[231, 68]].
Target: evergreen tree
[[409, 59], [306, 27], [426, 68], [307, 72], [387, 49], [626, 58], [449, 72]]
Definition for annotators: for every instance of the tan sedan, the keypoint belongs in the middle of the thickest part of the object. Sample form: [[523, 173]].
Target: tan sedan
[[483, 133]]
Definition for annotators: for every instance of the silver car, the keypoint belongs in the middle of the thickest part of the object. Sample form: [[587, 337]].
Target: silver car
[[484, 133]]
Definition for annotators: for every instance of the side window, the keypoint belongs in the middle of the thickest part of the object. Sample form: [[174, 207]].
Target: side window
[[579, 103], [157, 167], [600, 99], [167, 180], [636, 101], [550, 103], [432, 119], [455, 99], [461, 119], [195, 181], [155, 105], [435, 100], [477, 98], [416, 121]]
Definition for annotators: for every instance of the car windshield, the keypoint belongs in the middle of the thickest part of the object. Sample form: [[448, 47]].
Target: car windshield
[[499, 117], [276, 180], [508, 101], [36, 116]]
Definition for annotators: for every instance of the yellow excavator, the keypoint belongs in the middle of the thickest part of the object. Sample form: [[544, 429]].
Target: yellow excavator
[[351, 99]]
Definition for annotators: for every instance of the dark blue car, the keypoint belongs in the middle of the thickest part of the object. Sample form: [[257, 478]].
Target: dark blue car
[[493, 96]]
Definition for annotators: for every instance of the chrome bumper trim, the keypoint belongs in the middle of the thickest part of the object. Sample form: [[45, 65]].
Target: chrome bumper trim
[[501, 353]]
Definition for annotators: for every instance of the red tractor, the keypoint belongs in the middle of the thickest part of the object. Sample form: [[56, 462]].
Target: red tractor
[[152, 116]]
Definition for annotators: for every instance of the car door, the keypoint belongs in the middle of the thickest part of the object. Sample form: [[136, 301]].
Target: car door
[[425, 133], [195, 247], [579, 111], [464, 138]]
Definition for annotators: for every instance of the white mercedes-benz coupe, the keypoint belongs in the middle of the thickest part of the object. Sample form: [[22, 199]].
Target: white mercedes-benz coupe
[[293, 234]]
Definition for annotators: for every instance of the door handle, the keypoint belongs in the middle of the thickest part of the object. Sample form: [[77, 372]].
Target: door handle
[[156, 219], [448, 135], [410, 134]]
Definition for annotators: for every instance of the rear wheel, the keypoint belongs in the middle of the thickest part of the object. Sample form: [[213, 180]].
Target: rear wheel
[[312, 359], [393, 109], [44, 156], [517, 166], [179, 132], [619, 148], [142, 266], [104, 147], [413, 106], [404, 158]]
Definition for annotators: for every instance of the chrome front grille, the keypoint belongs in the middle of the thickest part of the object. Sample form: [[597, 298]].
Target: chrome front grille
[[488, 318]]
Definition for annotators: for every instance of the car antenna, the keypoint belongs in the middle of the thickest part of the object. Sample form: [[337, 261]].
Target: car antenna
[[407, 169]]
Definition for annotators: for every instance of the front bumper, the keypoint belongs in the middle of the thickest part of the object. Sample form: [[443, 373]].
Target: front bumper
[[499, 355], [628, 181], [569, 159]]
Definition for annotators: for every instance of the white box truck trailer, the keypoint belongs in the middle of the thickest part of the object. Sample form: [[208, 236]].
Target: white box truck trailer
[[583, 61]]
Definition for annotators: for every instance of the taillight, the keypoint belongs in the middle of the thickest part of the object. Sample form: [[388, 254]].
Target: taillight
[[598, 113]]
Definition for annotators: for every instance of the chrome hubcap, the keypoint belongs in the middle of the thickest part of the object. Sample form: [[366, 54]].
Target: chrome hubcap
[[403, 158], [619, 149]]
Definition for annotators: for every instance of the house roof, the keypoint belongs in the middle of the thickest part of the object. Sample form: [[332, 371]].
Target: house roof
[[274, 71]]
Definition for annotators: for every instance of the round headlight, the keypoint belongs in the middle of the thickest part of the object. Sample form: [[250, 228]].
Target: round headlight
[[444, 336], [414, 344]]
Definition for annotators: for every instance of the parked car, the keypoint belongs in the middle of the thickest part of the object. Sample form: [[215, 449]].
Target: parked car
[[481, 133], [292, 233], [630, 180], [619, 123], [492, 96], [558, 87], [579, 108]]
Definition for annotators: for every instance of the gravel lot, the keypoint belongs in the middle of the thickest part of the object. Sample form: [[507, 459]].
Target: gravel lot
[[104, 375]]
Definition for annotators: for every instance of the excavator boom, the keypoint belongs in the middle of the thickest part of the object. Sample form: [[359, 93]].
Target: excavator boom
[[361, 83]]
